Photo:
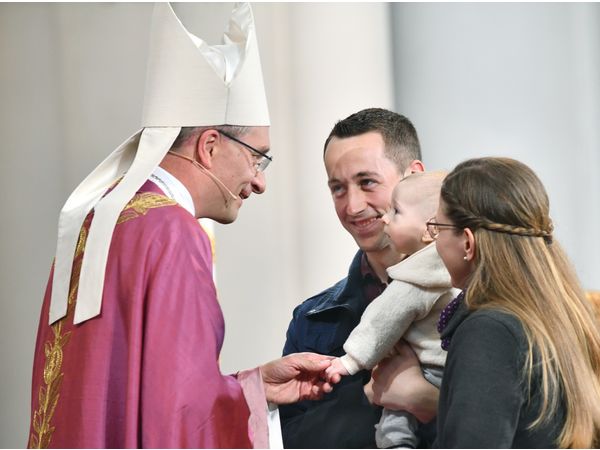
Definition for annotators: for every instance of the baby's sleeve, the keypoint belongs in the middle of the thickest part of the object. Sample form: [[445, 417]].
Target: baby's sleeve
[[382, 325]]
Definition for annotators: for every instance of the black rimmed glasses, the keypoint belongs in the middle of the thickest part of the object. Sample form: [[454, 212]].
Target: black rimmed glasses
[[262, 159], [433, 228]]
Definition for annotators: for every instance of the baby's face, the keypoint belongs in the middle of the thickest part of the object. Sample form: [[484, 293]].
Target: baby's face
[[404, 223]]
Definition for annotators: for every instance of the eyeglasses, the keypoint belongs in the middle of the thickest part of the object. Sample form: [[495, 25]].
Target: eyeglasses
[[433, 228], [263, 160]]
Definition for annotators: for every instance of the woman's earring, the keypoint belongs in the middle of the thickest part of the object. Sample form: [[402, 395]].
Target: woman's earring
[[465, 257]]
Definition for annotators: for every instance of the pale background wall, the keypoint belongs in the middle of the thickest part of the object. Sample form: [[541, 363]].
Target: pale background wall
[[510, 79], [476, 79]]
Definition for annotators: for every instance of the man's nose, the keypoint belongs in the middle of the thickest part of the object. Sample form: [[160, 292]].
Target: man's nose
[[259, 183], [356, 201]]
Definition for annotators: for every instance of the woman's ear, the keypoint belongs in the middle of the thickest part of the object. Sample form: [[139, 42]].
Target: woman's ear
[[470, 244], [206, 146]]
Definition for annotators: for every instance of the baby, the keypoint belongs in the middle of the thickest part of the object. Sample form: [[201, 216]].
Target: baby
[[410, 306]]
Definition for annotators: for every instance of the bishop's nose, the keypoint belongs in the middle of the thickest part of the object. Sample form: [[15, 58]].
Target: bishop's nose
[[259, 183]]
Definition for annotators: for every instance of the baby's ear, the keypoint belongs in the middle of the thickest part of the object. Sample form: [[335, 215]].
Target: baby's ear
[[426, 237]]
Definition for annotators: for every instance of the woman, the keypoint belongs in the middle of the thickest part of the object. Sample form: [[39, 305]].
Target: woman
[[523, 367]]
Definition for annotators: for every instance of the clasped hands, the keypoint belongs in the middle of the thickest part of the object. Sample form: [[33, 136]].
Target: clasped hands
[[397, 381], [296, 377]]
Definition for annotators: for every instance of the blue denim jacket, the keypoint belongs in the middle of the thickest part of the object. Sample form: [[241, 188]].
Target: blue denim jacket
[[321, 324]]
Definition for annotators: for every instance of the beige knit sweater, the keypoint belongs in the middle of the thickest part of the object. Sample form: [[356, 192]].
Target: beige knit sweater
[[409, 308]]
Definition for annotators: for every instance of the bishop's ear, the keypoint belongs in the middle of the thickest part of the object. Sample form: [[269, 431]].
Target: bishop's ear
[[207, 146]]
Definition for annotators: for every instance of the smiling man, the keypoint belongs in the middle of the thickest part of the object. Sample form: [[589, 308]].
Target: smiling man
[[365, 156]]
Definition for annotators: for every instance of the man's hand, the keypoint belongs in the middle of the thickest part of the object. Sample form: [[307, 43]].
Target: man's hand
[[398, 384], [336, 371], [295, 377]]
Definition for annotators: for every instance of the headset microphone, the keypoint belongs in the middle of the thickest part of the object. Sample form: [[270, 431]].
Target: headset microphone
[[212, 176]]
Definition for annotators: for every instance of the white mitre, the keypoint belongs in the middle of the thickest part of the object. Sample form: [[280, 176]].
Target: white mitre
[[189, 83]]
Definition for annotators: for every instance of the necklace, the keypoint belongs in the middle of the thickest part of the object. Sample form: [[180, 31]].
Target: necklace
[[445, 317]]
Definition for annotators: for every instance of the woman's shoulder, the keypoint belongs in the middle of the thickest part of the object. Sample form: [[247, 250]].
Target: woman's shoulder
[[488, 344], [496, 315], [494, 322]]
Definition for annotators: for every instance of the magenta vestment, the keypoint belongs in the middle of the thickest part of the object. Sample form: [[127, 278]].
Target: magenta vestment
[[145, 373]]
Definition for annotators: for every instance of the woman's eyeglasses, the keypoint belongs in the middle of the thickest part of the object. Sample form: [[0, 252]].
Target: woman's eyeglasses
[[433, 228]]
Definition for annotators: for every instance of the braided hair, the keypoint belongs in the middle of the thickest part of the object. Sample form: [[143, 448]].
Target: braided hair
[[491, 202]]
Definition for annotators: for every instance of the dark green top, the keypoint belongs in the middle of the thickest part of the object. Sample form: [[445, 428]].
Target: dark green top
[[484, 397]]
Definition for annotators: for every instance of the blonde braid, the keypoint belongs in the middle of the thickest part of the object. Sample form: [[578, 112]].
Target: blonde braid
[[475, 222], [520, 231]]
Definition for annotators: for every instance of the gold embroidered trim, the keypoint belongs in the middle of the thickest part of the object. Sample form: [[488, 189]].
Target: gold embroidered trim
[[53, 350], [49, 393], [141, 203]]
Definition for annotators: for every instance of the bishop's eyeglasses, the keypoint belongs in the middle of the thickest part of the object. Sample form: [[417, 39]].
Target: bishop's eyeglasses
[[262, 159]]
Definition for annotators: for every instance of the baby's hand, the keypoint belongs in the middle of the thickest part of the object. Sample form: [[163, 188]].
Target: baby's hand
[[335, 371]]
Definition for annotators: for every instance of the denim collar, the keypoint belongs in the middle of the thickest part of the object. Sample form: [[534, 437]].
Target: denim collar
[[346, 294]]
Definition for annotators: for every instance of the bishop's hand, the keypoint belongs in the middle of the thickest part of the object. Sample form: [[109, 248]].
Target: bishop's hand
[[296, 377]]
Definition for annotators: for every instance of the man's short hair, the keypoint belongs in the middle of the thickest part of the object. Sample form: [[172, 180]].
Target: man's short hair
[[187, 133], [398, 133]]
